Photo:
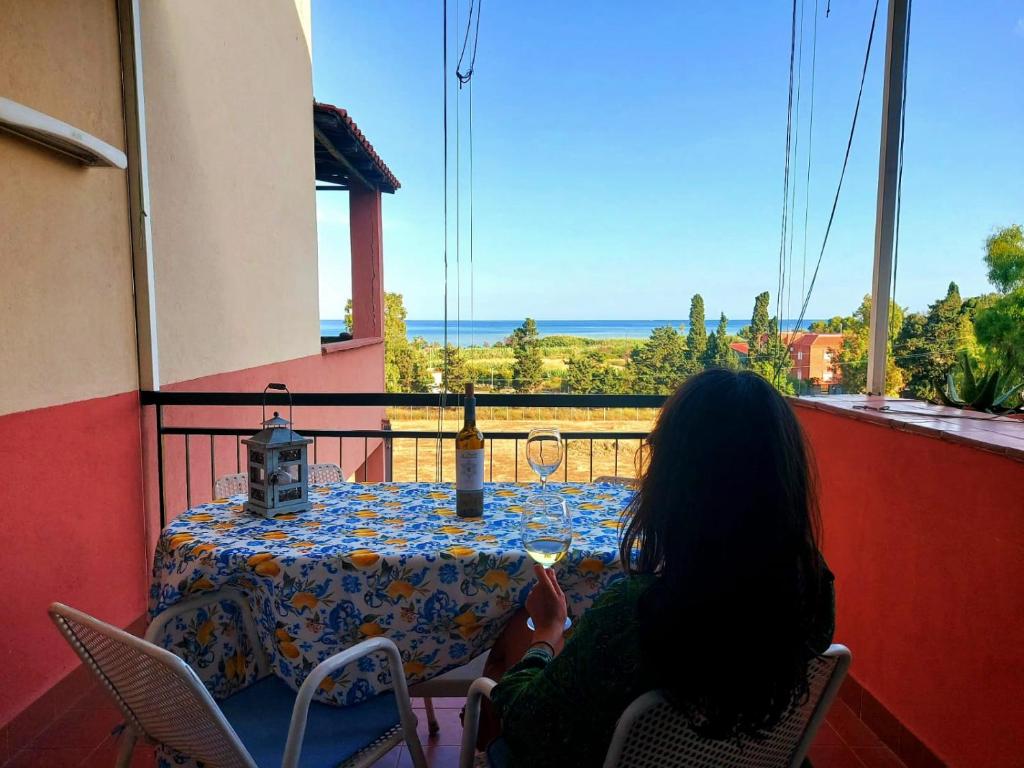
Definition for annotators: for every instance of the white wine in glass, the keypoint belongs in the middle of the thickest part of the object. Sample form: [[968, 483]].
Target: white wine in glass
[[544, 450], [547, 533]]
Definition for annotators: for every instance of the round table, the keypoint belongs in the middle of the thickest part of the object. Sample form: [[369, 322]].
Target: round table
[[388, 560]]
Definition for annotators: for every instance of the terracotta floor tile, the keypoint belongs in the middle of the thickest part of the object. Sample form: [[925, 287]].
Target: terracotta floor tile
[[48, 758], [390, 760], [445, 702], [827, 736], [851, 730], [451, 727], [878, 757], [28, 724], [79, 729], [95, 698], [437, 757], [833, 757]]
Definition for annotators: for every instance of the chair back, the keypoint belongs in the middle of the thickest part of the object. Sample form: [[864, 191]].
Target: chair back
[[160, 695], [230, 485], [652, 732], [322, 474]]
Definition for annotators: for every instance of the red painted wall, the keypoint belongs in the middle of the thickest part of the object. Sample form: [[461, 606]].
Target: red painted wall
[[73, 531], [926, 539], [360, 369]]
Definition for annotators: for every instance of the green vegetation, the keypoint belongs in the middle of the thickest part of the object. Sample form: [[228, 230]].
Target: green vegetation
[[964, 351], [529, 365]]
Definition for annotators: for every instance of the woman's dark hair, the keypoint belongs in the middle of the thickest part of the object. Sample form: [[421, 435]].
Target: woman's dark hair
[[726, 517]]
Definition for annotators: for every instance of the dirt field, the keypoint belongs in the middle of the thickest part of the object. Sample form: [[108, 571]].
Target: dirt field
[[507, 461]]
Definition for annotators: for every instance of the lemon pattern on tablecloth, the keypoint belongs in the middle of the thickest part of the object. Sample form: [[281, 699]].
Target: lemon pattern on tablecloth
[[387, 560]]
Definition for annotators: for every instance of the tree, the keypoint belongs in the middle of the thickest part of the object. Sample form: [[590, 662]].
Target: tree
[[526, 372], [757, 333], [835, 325], [852, 359], [658, 365], [455, 374], [1004, 257], [697, 337], [719, 354], [999, 321], [581, 373], [928, 351]]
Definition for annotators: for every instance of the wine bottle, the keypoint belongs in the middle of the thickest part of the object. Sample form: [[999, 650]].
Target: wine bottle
[[469, 463]]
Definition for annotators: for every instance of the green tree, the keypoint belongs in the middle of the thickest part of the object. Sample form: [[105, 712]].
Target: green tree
[[927, 350], [758, 330], [697, 336], [999, 321], [529, 365], [658, 365], [719, 354], [610, 380], [852, 359], [582, 371], [455, 373], [835, 325]]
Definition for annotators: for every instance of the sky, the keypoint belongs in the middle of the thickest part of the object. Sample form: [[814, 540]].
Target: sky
[[628, 155]]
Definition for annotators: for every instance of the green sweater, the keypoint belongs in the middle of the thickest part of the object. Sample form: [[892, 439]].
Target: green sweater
[[562, 710]]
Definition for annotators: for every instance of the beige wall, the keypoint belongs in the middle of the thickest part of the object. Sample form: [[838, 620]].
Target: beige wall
[[228, 88], [67, 328]]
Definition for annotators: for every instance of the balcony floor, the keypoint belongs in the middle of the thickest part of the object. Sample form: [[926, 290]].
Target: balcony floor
[[84, 737]]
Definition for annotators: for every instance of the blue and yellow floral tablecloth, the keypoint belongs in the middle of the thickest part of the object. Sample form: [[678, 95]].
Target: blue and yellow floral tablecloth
[[387, 560]]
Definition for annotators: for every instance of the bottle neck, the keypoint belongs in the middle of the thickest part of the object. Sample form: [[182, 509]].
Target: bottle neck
[[469, 407]]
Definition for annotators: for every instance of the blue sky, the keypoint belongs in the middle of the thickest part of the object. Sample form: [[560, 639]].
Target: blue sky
[[629, 155]]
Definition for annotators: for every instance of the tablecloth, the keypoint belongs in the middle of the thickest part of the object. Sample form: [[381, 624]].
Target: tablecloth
[[387, 560]]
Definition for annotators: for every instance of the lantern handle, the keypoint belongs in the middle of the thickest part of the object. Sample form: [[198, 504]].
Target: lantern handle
[[279, 388]]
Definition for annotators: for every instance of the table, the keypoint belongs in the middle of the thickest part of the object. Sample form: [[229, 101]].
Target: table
[[388, 560]]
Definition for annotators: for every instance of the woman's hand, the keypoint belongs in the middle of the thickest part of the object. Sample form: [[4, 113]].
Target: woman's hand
[[546, 606]]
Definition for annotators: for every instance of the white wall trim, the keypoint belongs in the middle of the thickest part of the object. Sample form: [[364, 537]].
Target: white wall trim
[[138, 194]]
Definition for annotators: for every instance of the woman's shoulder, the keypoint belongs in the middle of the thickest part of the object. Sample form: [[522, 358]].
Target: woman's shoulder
[[625, 591]]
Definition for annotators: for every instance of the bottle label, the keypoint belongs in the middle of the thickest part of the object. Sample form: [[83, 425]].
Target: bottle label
[[469, 470]]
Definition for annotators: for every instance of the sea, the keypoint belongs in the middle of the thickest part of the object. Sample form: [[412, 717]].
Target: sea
[[488, 332]]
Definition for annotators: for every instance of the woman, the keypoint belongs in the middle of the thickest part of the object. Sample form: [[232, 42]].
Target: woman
[[726, 596]]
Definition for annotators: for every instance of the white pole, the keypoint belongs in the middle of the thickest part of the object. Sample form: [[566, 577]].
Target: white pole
[[888, 177]]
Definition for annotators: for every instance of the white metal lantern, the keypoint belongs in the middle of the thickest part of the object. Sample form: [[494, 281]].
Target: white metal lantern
[[278, 467]]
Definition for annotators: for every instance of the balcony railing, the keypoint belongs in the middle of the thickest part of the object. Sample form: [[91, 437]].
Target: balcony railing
[[619, 445]]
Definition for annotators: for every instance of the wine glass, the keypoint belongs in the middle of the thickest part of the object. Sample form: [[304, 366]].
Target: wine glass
[[544, 451], [547, 533]]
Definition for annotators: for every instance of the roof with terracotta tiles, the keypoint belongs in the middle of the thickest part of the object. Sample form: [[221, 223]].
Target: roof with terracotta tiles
[[344, 156]]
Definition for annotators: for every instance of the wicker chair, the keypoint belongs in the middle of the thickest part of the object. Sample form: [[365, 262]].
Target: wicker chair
[[651, 733], [323, 474], [264, 725], [231, 485]]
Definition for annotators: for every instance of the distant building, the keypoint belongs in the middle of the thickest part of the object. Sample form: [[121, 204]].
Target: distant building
[[741, 348], [813, 356]]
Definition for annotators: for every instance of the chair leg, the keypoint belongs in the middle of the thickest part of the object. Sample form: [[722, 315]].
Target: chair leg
[[432, 726], [124, 754]]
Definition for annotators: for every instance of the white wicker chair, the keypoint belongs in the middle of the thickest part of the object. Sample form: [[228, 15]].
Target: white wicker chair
[[454, 683], [165, 703], [651, 733], [230, 485], [322, 474]]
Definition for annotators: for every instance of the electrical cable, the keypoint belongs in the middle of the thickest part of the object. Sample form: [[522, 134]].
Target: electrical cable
[[899, 176], [842, 176], [444, 355]]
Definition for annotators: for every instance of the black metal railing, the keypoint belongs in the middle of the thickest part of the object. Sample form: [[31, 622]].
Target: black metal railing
[[575, 440]]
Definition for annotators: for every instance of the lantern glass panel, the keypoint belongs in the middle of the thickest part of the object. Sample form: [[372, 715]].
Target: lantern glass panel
[[256, 457], [256, 475], [290, 454], [293, 474], [257, 494], [289, 494]]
